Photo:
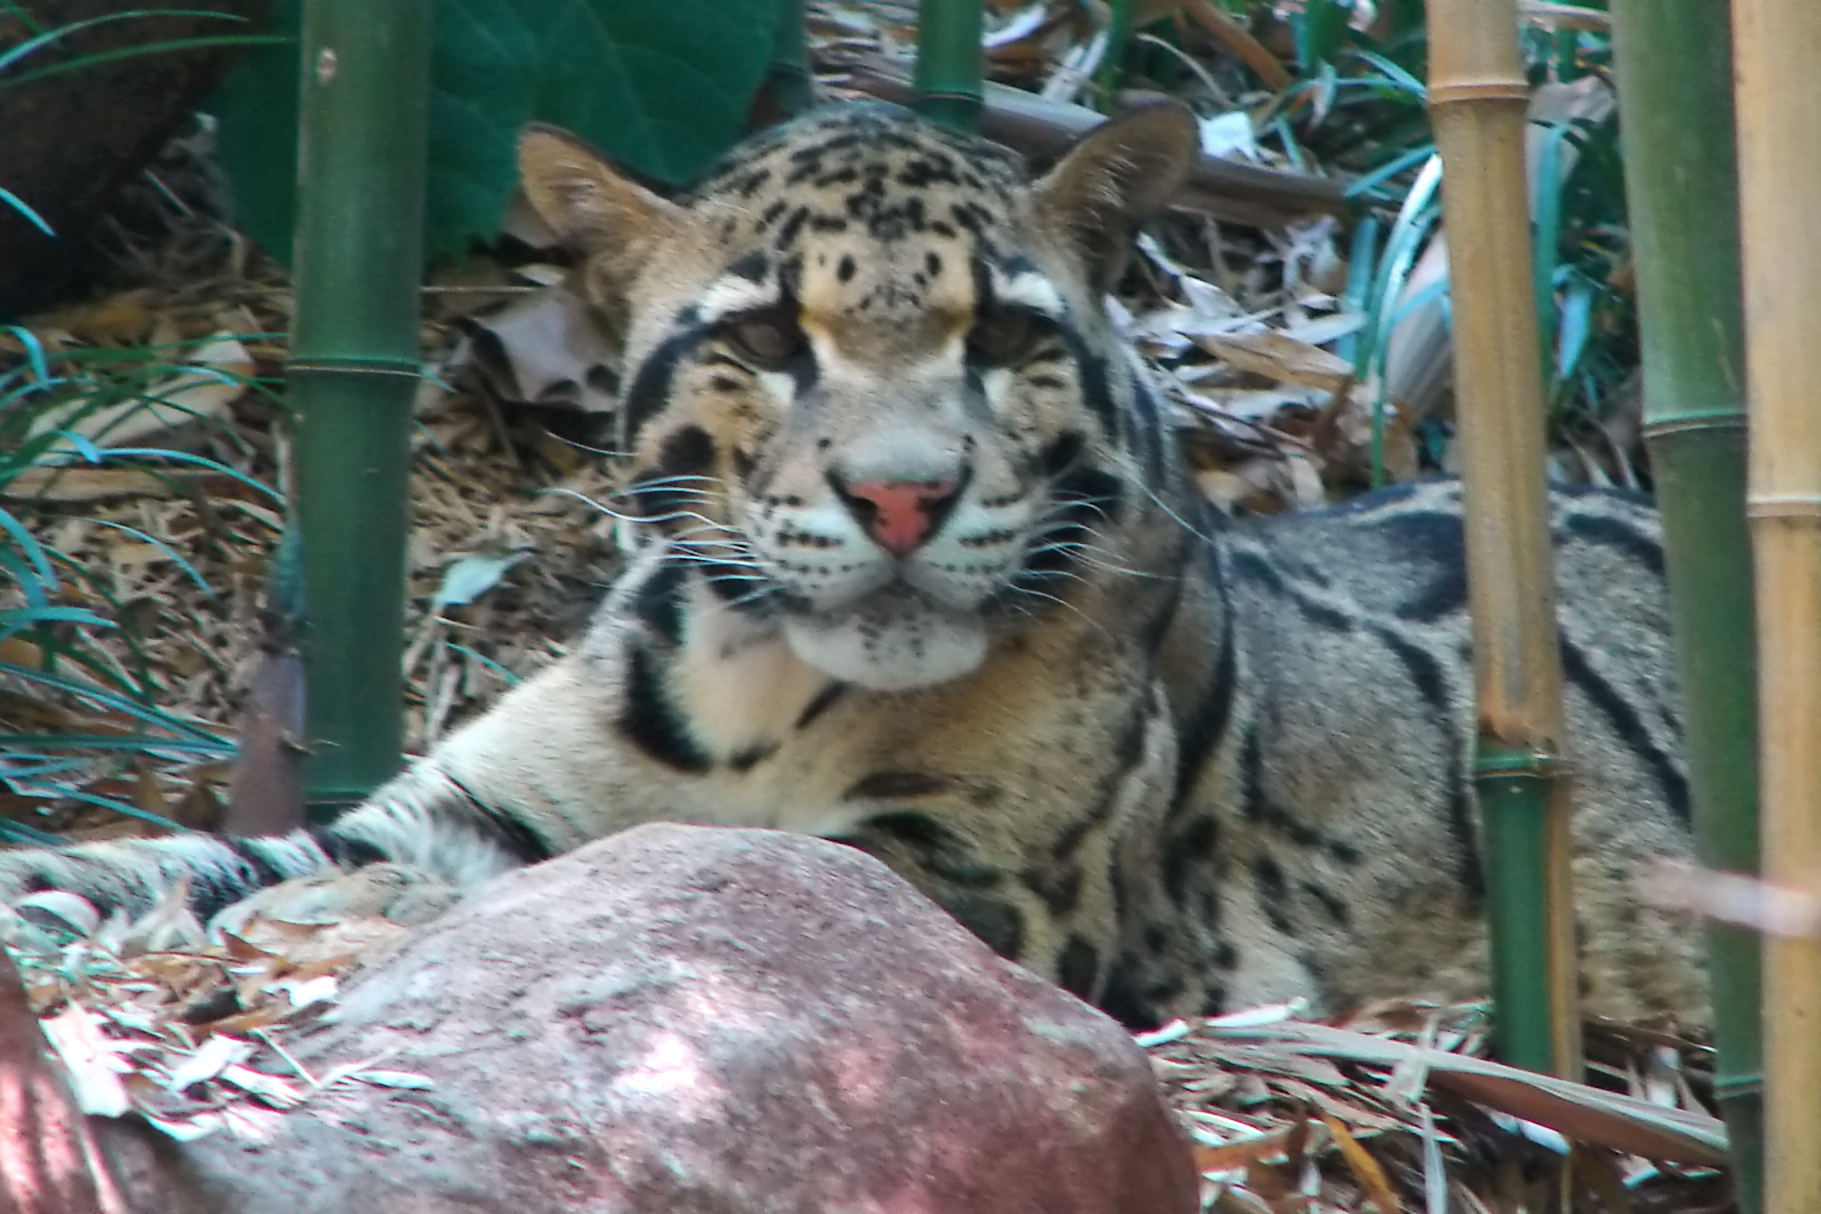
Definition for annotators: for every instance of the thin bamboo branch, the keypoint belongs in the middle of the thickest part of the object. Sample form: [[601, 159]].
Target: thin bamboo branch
[[1239, 193], [354, 372], [1777, 42], [1675, 92], [1478, 96]]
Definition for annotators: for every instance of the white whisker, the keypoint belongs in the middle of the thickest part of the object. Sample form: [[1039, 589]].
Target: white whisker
[[1177, 518], [1062, 602]]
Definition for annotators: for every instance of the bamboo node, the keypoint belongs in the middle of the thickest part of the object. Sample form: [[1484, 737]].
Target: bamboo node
[[1717, 420], [1508, 764], [355, 365], [1443, 95], [1731, 1087], [1783, 505]]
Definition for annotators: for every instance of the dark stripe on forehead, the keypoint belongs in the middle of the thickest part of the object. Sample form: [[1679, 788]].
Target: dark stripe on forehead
[[1091, 374], [1151, 434], [649, 392], [788, 233]]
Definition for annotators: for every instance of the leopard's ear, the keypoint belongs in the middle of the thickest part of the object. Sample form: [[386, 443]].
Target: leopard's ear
[[616, 223], [1120, 173]]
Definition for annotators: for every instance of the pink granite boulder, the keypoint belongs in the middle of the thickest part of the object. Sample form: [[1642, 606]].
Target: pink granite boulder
[[697, 1019]]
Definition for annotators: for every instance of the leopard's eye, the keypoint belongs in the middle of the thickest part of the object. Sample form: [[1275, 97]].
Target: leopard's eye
[[768, 340], [1004, 336]]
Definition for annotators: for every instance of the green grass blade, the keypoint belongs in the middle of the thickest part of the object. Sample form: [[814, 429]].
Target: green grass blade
[[1391, 168], [171, 554], [31, 836], [1396, 77], [34, 351], [1546, 208], [25, 208], [108, 699], [122, 807], [89, 62], [32, 46], [20, 745], [29, 546], [98, 455], [22, 619]]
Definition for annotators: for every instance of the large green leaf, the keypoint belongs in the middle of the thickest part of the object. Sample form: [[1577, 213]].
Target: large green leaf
[[663, 85]]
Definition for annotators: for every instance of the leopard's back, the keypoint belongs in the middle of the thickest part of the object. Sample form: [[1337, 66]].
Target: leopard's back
[[1341, 845]]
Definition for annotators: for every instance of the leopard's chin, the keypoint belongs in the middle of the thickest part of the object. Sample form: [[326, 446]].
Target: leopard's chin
[[895, 640]]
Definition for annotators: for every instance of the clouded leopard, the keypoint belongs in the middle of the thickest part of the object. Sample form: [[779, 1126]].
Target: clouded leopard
[[918, 567]]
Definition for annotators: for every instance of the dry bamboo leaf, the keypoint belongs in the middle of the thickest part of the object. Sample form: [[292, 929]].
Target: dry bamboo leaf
[[395, 1079], [1599, 1172], [214, 1056], [1275, 355], [1239, 41], [278, 1093], [91, 1059], [1573, 1109], [71, 485], [1366, 1169]]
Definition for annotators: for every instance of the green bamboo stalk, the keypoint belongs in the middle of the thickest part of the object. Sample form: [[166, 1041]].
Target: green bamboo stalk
[[950, 70], [1514, 786], [1478, 98], [358, 257], [1675, 95], [788, 78]]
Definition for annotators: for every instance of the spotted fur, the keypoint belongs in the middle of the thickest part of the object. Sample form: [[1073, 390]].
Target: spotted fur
[[919, 568]]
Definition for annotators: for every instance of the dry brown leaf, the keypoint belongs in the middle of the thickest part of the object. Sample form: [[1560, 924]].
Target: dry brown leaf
[[124, 318], [1275, 355], [183, 398], [544, 348], [1367, 1169]]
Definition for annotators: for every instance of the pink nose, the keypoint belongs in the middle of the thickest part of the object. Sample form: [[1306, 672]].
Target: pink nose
[[899, 515]]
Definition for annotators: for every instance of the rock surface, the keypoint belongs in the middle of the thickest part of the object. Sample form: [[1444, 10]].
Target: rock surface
[[703, 1020]]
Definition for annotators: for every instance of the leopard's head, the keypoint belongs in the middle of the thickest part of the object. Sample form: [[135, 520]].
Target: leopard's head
[[870, 391]]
